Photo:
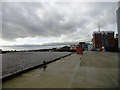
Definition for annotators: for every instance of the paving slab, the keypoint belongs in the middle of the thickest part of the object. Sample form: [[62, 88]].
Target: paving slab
[[94, 70]]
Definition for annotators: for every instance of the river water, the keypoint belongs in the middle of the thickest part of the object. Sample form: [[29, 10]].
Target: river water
[[19, 48], [17, 61]]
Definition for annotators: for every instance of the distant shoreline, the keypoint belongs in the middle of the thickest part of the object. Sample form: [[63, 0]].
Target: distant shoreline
[[39, 50]]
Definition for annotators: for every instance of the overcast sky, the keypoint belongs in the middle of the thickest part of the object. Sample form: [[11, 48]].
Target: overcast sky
[[39, 23]]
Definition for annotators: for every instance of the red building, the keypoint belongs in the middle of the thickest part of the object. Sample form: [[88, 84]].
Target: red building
[[97, 41], [103, 39]]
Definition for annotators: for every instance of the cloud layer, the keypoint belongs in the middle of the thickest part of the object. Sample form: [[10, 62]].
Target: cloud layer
[[64, 21]]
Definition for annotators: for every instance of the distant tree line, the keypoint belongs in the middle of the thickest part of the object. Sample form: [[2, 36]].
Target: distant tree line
[[62, 49]]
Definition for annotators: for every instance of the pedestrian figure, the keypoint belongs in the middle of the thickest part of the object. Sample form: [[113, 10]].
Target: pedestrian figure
[[44, 65], [103, 49], [79, 50]]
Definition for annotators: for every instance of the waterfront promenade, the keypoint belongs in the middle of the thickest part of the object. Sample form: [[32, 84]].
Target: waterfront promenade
[[94, 70]]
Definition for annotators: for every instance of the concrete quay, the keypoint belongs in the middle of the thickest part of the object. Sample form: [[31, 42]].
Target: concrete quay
[[94, 70]]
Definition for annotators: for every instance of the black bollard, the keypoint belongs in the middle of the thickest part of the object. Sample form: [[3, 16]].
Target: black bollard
[[44, 65]]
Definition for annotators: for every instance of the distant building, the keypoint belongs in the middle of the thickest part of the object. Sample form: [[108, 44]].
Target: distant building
[[86, 46], [103, 39], [0, 51], [82, 44], [90, 47], [97, 42], [116, 43], [73, 47], [118, 23]]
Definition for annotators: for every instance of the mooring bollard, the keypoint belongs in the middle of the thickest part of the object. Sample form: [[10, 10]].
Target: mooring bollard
[[44, 65]]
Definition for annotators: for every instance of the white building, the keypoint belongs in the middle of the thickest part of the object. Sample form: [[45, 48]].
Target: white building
[[90, 47], [118, 23], [73, 47]]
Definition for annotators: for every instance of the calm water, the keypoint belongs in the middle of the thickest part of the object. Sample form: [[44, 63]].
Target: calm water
[[16, 62], [18, 48]]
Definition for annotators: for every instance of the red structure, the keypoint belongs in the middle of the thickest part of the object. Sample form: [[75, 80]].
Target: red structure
[[103, 39], [97, 41]]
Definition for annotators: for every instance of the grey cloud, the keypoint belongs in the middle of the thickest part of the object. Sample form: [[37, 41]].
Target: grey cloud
[[21, 20], [105, 12]]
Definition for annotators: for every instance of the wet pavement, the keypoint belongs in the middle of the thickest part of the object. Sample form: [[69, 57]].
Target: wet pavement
[[94, 70]]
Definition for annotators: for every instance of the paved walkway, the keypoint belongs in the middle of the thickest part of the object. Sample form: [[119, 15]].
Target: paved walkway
[[94, 70]]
